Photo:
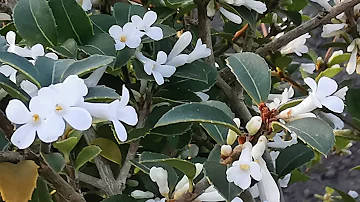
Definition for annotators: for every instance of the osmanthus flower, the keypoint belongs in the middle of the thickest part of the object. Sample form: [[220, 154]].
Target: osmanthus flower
[[33, 121], [116, 112], [243, 169], [38, 50], [280, 99], [322, 94], [232, 135], [13, 48], [9, 72], [144, 24], [63, 100], [211, 10], [160, 176], [30, 88], [175, 58], [158, 68], [257, 6], [253, 125], [183, 185], [353, 63], [128, 36], [200, 51], [210, 194], [296, 46], [86, 5], [307, 67], [279, 143], [331, 30]]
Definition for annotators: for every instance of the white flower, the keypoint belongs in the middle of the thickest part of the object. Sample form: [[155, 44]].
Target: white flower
[[200, 51], [237, 199], [8, 71], [157, 199], [257, 6], [259, 148], [296, 46], [175, 58], [353, 48], [254, 125], [33, 120], [324, 3], [267, 186], [115, 112], [13, 48], [284, 96], [86, 5], [226, 150], [285, 180], [138, 194], [30, 88], [127, 36], [331, 30], [232, 135], [337, 122], [210, 8], [202, 96], [231, 16], [280, 143], [241, 170], [160, 177], [274, 155], [320, 95], [307, 67], [341, 93], [38, 50], [158, 68], [254, 190], [95, 77], [210, 194], [183, 185], [63, 99], [145, 23], [353, 194]]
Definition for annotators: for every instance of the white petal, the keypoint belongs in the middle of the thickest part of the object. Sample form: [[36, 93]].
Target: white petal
[[120, 130], [155, 33], [17, 112], [311, 83], [161, 57], [210, 9], [40, 106], [133, 41], [119, 45], [245, 155], [178, 60], [202, 96], [74, 83], [180, 45], [78, 118], [52, 128], [257, 6], [237, 199], [351, 65], [7, 70], [210, 196], [140, 56], [342, 92], [37, 50], [148, 67], [255, 171], [237, 122], [138, 194], [243, 180], [308, 67], [334, 103], [338, 123], [165, 70], [158, 78], [352, 46], [11, 37], [326, 87], [267, 185], [137, 21], [127, 115], [24, 136], [52, 56], [285, 181], [125, 97], [86, 5], [231, 16], [115, 31], [129, 29], [149, 18]]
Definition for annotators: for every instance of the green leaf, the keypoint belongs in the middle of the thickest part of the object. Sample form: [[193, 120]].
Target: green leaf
[[339, 59], [55, 160], [194, 71], [41, 192], [109, 149], [196, 112], [355, 168], [330, 72], [124, 11], [353, 102], [175, 4], [220, 105], [216, 132], [215, 154], [67, 145], [297, 176], [253, 73], [293, 157], [123, 56], [102, 44], [167, 32], [186, 167], [118, 198], [294, 16], [22, 65], [101, 94], [102, 23], [71, 21], [289, 104], [314, 132], [88, 153], [172, 130], [216, 173], [248, 15], [35, 22], [297, 5], [87, 65], [67, 49], [14, 90], [344, 196], [54, 72]]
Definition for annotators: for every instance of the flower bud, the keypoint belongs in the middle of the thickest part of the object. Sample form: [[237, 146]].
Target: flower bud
[[226, 150], [259, 148], [254, 125], [138, 194], [231, 137], [160, 176]]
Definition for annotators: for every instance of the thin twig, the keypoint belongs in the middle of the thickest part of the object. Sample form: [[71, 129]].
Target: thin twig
[[96, 182]]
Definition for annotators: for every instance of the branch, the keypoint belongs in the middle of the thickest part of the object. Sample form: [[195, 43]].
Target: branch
[[96, 182], [14, 157], [306, 27], [198, 190]]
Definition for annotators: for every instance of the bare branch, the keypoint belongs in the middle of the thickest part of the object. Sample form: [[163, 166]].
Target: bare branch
[[96, 182]]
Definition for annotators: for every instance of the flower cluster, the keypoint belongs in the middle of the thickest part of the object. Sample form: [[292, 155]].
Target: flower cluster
[[62, 103]]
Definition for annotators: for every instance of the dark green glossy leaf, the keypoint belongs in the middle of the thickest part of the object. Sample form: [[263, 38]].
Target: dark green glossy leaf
[[196, 112], [216, 173], [294, 16], [353, 102], [216, 132], [314, 132], [289, 104], [172, 130], [102, 44], [41, 192], [248, 15], [14, 90], [35, 22], [86, 154], [139, 70], [175, 4], [253, 73], [124, 11], [67, 49], [220, 105], [101, 94], [55, 160], [215, 154], [123, 56], [67, 145], [51, 70], [194, 71], [293, 157], [344, 196], [71, 20], [186, 167], [87, 65], [297, 5], [102, 23], [297, 176]]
